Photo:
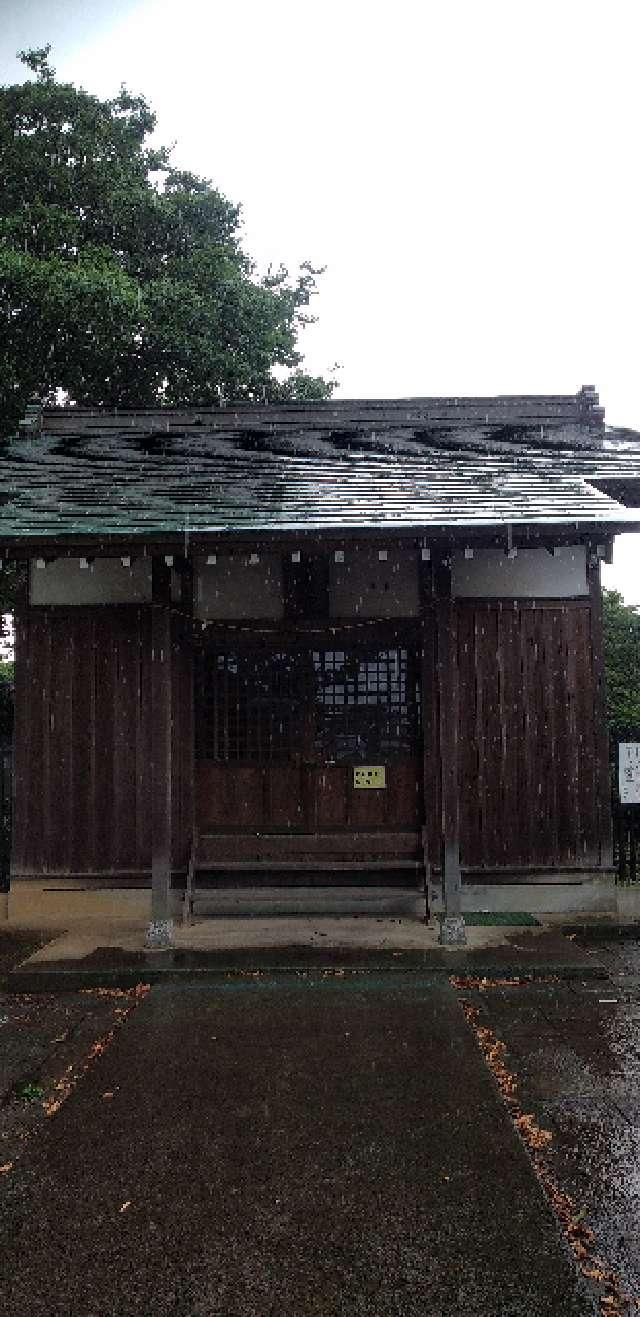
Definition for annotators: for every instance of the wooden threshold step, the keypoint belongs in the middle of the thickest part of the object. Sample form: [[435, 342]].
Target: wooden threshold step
[[307, 866]]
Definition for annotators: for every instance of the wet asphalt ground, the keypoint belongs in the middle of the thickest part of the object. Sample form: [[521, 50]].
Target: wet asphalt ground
[[283, 1146], [574, 1049]]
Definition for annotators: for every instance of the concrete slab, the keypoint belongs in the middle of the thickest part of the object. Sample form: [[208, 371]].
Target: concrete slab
[[90, 945], [226, 935], [78, 960], [286, 1149]]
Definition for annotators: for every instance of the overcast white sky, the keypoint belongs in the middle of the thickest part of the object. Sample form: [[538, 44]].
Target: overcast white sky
[[467, 170]]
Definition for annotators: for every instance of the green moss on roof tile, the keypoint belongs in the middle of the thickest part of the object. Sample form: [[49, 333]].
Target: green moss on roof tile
[[406, 463]]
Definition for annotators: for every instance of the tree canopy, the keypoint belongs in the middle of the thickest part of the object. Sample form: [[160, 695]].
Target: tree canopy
[[622, 665], [123, 281]]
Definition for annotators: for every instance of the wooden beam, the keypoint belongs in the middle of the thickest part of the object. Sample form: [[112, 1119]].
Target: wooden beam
[[160, 929], [448, 538], [185, 568], [452, 928]]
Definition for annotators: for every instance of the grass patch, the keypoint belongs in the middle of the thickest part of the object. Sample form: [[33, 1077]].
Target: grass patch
[[29, 1090]]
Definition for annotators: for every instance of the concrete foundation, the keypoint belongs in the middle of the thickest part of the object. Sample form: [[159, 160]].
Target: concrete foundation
[[159, 933], [452, 931], [62, 903], [572, 896], [628, 902]]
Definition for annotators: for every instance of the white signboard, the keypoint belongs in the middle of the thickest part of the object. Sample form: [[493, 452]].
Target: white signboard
[[629, 772]]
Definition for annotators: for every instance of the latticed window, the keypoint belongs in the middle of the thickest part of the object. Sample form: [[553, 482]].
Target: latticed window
[[349, 704], [250, 705], [367, 703]]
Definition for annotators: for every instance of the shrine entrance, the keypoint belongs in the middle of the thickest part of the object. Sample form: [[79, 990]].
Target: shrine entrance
[[281, 730]]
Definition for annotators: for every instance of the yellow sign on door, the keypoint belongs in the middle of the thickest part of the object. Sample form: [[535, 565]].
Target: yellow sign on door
[[370, 777]]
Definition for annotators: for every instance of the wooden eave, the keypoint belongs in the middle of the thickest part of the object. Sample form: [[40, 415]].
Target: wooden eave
[[443, 538]]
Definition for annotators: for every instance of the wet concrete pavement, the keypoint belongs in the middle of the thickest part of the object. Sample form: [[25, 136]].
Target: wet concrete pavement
[[283, 1146], [573, 1050], [78, 960]]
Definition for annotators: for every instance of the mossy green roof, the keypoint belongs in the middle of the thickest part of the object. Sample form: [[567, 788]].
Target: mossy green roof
[[399, 464]]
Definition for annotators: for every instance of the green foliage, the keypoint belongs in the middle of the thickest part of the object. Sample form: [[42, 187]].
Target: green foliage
[[37, 59], [622, 665], [28, 1090], [122, 278]]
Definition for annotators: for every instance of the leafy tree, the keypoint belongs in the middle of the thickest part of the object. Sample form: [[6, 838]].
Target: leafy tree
[[122, 279], [622, 665]]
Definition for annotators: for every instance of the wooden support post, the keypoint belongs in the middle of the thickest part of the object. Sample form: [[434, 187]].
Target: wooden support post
[[603, 781], [160, 931], [430, 736], [452, 929], [187, 732]]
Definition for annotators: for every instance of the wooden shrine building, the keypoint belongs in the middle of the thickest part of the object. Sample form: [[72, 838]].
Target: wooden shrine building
[[316, 641]]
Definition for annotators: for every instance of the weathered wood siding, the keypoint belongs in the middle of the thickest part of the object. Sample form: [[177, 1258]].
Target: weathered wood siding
[[82, 742], [530, 745], [533, 767], [306, 798]]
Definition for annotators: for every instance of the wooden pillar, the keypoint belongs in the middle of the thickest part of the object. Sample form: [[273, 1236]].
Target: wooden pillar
[[187, 584], [603, 781], [430, 736], [452, 928], [160, 930]]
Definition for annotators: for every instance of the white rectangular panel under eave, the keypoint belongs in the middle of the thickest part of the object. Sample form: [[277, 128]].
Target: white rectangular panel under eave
[[66, 581], [233, 587], [531, 574]]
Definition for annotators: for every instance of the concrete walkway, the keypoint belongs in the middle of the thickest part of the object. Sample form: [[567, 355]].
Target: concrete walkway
[[97, 937], [277, 1148], [108, 954]]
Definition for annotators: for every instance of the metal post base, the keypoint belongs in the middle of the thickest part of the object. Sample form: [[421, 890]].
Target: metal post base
[[452, 931], [159, 933]]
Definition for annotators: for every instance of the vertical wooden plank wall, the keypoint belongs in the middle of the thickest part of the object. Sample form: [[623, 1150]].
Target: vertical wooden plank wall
[[533, 773], [83, 740], [531, 776]]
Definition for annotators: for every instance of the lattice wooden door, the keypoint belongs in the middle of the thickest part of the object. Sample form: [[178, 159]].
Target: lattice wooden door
[[279, 731]]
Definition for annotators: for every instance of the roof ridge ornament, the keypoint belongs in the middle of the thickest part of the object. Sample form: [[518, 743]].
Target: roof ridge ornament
[[589, 409]]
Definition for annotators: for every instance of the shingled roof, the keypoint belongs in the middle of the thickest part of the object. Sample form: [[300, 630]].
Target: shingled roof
[[417, 463]]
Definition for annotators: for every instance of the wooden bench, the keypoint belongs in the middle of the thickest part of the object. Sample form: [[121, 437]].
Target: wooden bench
[[266, 859]]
